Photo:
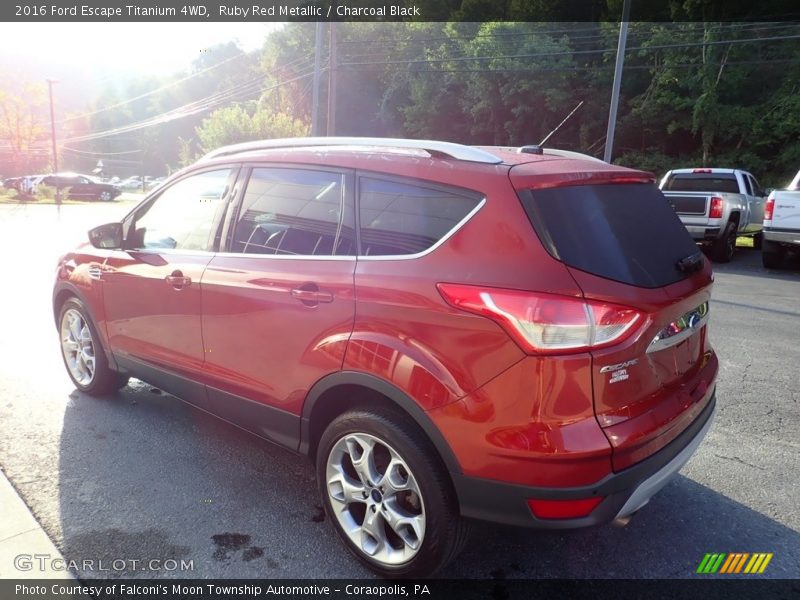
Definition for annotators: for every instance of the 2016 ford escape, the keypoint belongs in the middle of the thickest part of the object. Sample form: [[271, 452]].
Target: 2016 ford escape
[[448, 332]]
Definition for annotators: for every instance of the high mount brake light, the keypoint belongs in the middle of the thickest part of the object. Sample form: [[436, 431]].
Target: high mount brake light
[[547, 323]]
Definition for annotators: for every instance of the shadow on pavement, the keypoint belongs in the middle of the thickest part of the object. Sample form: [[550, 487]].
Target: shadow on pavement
[[145, 477]]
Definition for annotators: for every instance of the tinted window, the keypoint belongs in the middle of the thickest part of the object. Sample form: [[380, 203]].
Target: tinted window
[[747, 186], [404, 218], [625, 232], [703, 182], [295, 212], [185, 214]]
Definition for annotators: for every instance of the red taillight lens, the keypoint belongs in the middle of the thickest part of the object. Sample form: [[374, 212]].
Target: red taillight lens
[[715, 212], [769, 208], [546, 323], [701, 170], [563, 509]]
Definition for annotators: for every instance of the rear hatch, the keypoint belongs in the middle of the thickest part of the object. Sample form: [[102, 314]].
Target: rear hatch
[[624, 245]]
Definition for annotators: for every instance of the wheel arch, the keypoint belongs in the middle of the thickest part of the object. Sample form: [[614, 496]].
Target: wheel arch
[[339, 392], [63, 292]]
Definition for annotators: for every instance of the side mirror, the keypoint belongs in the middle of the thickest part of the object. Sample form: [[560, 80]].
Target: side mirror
[[108, 236]]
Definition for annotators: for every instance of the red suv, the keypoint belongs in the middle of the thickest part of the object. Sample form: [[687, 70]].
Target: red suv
[[448, 332]]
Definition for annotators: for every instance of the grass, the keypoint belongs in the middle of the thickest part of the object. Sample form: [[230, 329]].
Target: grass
[[744, 242], [13, 197]]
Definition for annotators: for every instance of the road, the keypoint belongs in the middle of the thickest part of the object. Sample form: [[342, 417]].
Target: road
[[140, 476]]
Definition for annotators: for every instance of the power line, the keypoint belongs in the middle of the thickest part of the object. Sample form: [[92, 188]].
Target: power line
[[86, 152], [186, 110], [569, 52], [151, 92]]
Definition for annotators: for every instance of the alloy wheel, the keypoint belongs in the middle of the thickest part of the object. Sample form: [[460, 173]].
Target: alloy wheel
[[78, 347], [375, 498]]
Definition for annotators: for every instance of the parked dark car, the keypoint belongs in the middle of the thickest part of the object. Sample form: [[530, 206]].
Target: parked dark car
[[448, 332], [83, 186]]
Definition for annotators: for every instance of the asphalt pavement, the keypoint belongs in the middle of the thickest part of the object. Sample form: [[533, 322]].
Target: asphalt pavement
[[141, 485]]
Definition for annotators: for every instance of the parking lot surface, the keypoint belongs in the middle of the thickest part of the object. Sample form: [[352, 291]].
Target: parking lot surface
[[142, 478]]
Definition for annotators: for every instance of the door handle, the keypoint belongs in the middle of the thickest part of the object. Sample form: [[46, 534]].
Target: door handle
[[310, 296], [178, 281]]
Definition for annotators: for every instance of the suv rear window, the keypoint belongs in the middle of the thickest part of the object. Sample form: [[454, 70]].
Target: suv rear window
[[400, 218], [625, 232], [703, 182]]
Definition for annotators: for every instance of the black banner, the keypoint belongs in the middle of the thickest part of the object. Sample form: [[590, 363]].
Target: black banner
[[390, 10], [337, 589]]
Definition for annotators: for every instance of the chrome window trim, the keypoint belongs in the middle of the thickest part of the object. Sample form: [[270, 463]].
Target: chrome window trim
[[438, 243], [425, 252], [285, 256]]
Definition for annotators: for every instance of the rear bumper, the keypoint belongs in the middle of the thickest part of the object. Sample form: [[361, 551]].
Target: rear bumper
[[624, 492], [701, 233], [783, 236]]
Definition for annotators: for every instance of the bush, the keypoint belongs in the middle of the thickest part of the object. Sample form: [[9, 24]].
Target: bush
[[46, 192]]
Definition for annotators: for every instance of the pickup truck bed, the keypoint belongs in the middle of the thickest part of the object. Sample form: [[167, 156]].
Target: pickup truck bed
[[781, 224]]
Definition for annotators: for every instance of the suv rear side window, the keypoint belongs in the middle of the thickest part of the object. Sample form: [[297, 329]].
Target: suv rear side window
[[295, 212], [625, 232], [703, 182], [400, 218]]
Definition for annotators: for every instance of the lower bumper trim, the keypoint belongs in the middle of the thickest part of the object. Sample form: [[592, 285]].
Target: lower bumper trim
[[623, 493]]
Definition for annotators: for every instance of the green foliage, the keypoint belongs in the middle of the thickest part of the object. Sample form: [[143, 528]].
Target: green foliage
[[47, 192], [697, 91], [237, 124]]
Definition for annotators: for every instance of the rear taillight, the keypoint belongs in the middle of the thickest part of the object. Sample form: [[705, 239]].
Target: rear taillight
[[769, 208], [715, 212], [701, 170], [547, 323]]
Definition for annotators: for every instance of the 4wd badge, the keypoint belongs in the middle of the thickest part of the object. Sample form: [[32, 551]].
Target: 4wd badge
[[619, 371]]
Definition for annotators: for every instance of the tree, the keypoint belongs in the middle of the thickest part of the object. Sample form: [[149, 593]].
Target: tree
[[238, 124], [23, 128]]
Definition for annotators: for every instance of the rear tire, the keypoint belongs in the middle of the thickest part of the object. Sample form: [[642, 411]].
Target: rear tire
[[83, 354], [772, 255], [758, 241], [723, 247], [388, 494]]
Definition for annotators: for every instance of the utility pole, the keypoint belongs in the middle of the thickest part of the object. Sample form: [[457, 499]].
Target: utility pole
[[612, 112], [317, 73], [50, 83], [332, 81]]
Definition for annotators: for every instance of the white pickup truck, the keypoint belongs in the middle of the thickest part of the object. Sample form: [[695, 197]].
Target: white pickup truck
[[716, 206], [781, 224]]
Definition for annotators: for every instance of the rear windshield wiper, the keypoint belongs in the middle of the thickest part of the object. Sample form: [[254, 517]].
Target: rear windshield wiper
[[690, 264]]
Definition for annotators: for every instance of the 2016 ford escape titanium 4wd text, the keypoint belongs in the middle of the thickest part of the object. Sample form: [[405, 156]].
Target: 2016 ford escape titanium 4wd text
[[448, 332]]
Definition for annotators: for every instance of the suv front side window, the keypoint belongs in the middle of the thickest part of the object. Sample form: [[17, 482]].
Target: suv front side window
[[184, 216]]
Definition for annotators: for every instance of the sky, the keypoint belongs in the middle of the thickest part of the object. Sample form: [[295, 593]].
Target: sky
[[107, 48]]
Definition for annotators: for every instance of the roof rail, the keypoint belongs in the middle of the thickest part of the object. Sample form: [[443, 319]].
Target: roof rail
[[434, 148]]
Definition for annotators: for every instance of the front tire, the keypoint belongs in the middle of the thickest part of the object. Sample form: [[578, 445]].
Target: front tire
[[388, 494], [105, 196], [83, 353]]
